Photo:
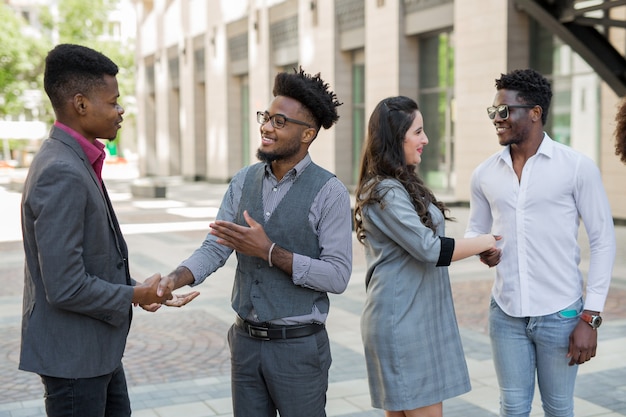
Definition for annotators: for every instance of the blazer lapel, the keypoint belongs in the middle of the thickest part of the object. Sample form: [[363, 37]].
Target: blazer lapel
[[119, 238], [59, 134]]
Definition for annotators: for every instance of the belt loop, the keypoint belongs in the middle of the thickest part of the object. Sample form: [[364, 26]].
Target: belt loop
[[284, 331]]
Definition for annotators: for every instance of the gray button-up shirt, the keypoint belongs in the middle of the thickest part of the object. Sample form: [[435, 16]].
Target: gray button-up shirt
[[329, 216]]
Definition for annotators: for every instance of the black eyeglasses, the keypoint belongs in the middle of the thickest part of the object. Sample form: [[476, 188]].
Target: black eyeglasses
[[503, 110], [277, 120]]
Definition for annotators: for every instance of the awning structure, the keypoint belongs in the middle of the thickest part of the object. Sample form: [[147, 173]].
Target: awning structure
[[585, 26]]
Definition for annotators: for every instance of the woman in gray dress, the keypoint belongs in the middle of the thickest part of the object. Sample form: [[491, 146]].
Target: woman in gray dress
[[412, 345]]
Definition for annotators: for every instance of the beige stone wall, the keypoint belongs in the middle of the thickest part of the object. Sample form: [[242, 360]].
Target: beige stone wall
[[382, 54], [317, 44], [490, 38], [613, 171], [481, 55]]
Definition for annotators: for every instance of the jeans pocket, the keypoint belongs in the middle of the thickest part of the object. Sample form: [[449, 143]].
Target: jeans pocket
[[572, 311]]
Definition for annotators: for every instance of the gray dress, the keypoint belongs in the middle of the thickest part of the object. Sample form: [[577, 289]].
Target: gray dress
[[412, 344]]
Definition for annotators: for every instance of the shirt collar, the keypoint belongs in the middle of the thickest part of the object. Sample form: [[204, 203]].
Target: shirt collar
[[293, 172], [546, 148], [93, 151]]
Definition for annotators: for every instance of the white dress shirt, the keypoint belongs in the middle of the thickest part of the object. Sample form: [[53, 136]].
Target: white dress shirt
[[538, 218]]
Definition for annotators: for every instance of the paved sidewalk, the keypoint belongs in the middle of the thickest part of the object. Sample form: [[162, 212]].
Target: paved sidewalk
[[177, 360]]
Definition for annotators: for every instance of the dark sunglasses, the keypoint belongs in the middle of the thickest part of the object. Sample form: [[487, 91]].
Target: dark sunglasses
[[503, 110]]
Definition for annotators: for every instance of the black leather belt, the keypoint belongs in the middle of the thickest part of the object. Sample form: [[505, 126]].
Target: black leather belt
[[266, 331]]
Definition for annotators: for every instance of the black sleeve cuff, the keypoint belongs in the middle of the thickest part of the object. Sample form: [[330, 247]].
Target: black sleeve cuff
[[447, 248]]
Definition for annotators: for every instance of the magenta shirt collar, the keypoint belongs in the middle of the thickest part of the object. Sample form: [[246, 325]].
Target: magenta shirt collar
[[94, 151]]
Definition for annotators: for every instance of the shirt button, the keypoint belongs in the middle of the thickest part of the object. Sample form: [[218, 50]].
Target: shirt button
[[268, 214], [275, 189]]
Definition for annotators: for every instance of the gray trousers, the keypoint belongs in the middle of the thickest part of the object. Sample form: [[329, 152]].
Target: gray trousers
[[289, 376]]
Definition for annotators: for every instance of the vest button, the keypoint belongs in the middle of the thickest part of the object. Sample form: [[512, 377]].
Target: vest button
[[256, 281]]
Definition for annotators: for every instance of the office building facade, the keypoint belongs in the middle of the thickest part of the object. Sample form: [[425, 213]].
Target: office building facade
[[206, 66]]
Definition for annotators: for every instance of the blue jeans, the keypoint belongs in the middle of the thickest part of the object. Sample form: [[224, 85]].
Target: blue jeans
[[103, 396], [525, 347]]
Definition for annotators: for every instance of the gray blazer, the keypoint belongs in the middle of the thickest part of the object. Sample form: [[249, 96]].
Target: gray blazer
[[77, 286]]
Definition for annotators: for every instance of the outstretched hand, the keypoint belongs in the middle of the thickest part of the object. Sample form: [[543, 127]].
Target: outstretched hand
[[177, 300], [152, 294], [146, 293], [251, 241]]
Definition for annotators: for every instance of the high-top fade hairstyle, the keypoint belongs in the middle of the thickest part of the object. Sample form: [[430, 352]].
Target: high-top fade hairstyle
[[73, 69], [531, 87], [312, 92]]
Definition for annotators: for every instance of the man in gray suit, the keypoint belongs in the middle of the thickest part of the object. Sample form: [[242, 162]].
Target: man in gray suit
[[77, 286]]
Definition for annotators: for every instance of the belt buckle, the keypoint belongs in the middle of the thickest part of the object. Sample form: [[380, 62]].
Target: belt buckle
[[258, 332]]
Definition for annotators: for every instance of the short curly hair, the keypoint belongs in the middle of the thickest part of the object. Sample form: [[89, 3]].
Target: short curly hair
[[71, 69], [620, 131], [312, 92], [531, 87]]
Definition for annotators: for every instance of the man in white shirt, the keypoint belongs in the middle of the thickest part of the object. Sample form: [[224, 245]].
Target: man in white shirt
[[533, 193]]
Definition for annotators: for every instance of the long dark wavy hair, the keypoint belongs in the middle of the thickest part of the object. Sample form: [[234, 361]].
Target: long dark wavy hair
[[383, 158]]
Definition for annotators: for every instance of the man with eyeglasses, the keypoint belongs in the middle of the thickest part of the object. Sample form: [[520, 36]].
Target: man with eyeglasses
[[533, 194], [289, 222]]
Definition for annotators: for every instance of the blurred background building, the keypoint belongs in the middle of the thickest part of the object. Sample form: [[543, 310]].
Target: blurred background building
[[205, 68], [200, 69], [32, 27]]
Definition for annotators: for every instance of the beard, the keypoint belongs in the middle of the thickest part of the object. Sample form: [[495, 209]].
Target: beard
[[516, 136], [267, 157], [511, 141], [285, 153]]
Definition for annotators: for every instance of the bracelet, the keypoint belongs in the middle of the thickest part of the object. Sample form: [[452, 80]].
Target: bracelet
[[269, 255]]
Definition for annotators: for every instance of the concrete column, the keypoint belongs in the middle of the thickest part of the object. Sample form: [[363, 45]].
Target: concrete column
[[481, 44], [316, 33], [382, 54]]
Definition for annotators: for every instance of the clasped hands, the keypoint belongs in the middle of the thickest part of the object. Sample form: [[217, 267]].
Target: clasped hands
[[492, 256], [148, 296]]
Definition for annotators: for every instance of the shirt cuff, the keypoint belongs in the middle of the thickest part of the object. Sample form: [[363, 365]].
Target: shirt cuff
[[196, 270], [447, 249], [594, 302], [300, 269]]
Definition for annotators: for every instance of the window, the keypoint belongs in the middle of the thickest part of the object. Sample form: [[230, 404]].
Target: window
[[358, 117], [436, 98], [574, 115]]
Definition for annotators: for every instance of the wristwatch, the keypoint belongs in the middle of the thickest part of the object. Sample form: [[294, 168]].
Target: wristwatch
[[591, 319]]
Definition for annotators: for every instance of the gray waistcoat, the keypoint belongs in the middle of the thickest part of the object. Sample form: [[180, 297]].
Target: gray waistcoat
[[270, 290]]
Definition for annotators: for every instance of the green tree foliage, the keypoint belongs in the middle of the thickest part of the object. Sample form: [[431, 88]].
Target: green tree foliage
[[83, 21], [21, 61], [86, 24], [77, 21]]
